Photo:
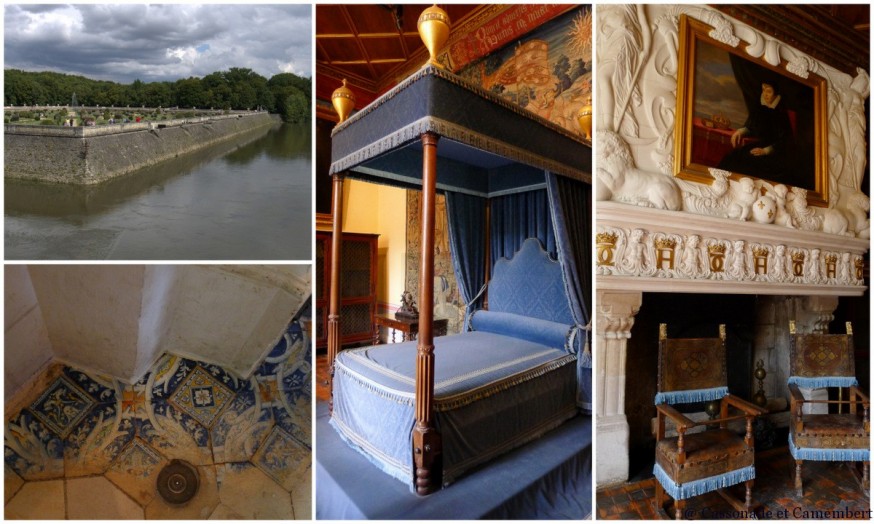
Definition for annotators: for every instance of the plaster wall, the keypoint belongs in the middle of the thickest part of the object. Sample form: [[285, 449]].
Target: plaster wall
[[222, 318], [25, 331], [118, 321], [360, 199], [93, 315], [392, 243]]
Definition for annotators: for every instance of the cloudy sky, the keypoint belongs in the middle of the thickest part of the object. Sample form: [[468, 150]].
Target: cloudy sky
[[158, 42]]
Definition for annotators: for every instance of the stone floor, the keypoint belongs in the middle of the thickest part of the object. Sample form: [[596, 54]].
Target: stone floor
[[90, 447], [827, 487]]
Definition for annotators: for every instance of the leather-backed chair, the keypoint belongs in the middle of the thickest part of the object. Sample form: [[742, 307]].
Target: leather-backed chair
[[823, 361], [690, 464]]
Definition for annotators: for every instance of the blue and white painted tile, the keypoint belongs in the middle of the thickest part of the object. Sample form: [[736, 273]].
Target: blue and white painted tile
[[31, 449], [62, 406], [244, 424], [283, 458], [96, 441], [290, 377], [84, 424], [101, 389], [135, 471]]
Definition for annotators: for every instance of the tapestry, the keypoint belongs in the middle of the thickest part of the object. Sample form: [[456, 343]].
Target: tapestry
[[447, 300], [548, 71]]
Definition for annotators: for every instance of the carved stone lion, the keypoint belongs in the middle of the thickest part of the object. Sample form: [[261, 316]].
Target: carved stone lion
[[620, 181]]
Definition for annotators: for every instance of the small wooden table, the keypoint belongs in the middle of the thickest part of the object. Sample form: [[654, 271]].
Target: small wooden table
[[407, 327]]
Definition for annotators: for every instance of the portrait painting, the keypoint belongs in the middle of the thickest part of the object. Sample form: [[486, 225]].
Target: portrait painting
[[740, 114]]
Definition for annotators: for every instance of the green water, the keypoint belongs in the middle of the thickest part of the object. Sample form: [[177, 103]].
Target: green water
[[248, 198]]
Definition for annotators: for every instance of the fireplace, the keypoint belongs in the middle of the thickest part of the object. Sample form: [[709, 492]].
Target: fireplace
[[723, 248]]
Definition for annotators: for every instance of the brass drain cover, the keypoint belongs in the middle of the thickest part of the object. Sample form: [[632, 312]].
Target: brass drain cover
[[178, 482]]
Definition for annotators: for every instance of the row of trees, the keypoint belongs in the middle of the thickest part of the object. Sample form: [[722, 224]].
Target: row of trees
[[237, 88]]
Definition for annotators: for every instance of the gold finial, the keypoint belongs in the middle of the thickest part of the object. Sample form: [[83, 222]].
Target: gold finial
[[849, 328], [791, 327], [344, 101], [722, 332], [663, 331], [433, 26]]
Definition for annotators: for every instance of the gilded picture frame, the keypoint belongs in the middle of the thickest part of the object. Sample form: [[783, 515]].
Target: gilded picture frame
[[740, 114]]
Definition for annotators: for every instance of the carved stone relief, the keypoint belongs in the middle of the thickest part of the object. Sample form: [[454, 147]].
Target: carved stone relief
[[636, 104], [638, 252]]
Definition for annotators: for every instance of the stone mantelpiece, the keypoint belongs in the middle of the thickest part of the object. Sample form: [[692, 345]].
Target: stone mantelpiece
[[659, 233], [650, 249]]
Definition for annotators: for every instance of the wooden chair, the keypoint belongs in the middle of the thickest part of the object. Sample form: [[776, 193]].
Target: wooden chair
[[694, 370], [821, 361]]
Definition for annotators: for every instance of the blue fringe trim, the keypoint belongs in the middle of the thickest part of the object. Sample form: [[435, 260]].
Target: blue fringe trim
[[699, 487], [691, 395], [831, 455], [824, 382]]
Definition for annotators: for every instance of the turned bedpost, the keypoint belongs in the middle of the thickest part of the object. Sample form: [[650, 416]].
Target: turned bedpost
[[334, 287], [427, 443]]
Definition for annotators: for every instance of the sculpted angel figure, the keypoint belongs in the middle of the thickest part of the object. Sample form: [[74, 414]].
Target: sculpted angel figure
[[635, 260], [813, 268], [738, 267], [779, 270], [846, 270], [691, 260]]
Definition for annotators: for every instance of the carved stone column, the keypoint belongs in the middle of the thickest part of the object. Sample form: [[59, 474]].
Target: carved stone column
[[616, 311]]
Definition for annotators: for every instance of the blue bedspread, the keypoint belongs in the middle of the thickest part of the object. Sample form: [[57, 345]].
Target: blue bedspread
[[492, 393]]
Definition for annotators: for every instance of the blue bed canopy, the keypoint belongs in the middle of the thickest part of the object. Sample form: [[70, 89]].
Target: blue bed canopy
[[507, 175]]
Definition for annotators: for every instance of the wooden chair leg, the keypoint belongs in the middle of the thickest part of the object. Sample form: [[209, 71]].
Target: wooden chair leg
[[798, 488], [659, 497], [679, 506], [748, 501], [866, 482]]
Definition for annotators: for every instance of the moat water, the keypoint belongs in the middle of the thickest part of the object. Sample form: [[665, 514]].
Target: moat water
[[248, 198]]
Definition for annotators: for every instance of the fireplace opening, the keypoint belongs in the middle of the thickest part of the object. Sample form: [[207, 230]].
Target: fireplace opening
[[687, 316]]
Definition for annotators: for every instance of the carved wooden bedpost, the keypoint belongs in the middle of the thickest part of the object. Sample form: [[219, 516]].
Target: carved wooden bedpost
[[427, 443], [334, 293]]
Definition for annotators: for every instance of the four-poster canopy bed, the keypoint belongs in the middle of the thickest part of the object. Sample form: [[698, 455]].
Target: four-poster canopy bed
[[522, 369]]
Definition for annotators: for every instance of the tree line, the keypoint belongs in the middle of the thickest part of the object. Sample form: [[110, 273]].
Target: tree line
[[237, 88]]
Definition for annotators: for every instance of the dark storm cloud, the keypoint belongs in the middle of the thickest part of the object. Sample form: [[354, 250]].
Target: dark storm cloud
[[158, 42]]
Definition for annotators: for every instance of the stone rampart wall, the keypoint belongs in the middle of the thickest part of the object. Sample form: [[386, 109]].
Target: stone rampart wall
[[88, 155]]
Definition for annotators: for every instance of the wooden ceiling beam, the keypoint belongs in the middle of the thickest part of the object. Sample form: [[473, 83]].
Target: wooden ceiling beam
[[351, 22]]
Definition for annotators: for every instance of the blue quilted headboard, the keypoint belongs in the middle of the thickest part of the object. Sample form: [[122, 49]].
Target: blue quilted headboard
[[530, 284]]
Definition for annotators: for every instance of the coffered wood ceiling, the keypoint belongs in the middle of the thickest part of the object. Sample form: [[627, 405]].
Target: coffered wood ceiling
[[373, 46]]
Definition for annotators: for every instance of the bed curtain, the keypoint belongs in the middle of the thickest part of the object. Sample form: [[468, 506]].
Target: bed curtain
[[570, 206], [560, 216], [466, 216], [517, 217]]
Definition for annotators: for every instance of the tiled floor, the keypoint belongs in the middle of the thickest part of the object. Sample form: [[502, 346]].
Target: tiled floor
[[90, 447], [827, 486]]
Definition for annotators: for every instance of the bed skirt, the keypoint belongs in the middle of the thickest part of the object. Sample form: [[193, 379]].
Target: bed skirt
[[492, 393]]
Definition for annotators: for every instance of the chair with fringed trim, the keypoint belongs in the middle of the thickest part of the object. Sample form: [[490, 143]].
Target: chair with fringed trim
[[691, 464], [819, 360]]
